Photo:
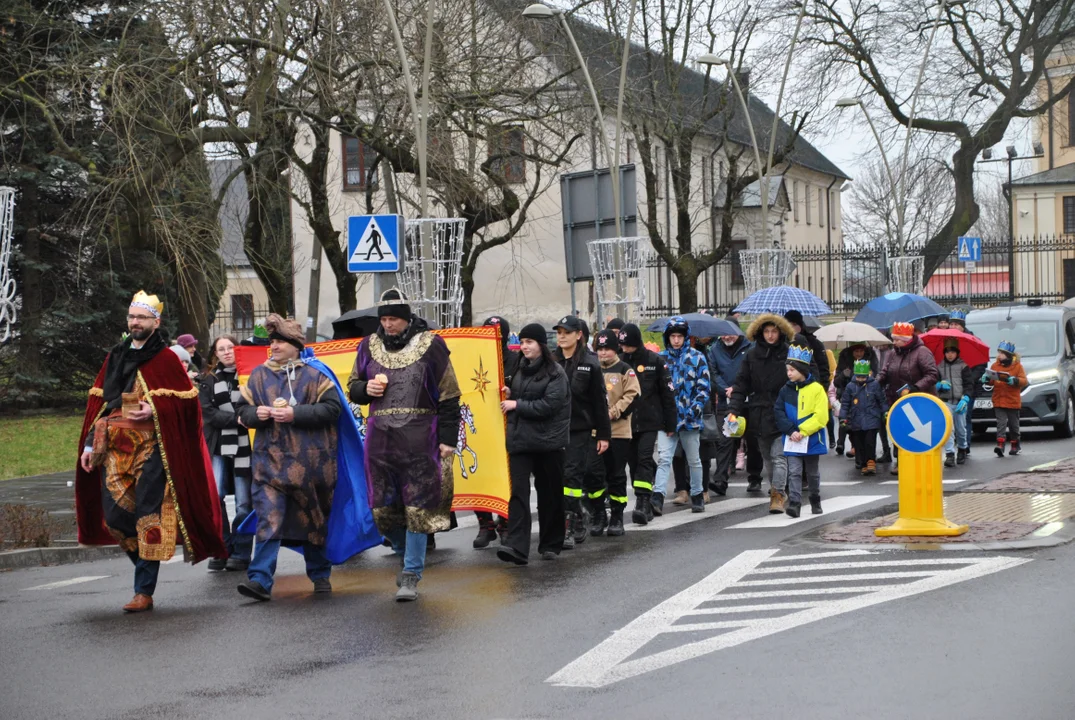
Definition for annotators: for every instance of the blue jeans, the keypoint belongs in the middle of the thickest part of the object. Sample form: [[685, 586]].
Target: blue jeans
[[145, 574], [239, 545], [958, 436], [412, 546], [263, 566], [666, 449]]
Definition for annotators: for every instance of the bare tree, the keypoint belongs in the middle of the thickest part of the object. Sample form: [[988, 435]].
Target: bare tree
[[871, 215], [681, 119], [987, 63]]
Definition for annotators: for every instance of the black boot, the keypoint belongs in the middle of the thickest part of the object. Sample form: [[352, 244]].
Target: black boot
[[815, 504], [656, 503], [582, 521], [793, 508], [486, 533], [719, 487], [698, 503], [961, 456], [753, 485], [615, 525], [839, 448], [569, 530], [638, 515], [950, 460], [598, 517], [999, 449], [1015, 448], [886, 457]]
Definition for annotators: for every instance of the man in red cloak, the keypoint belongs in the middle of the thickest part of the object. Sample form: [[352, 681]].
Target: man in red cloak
[[145, 479]]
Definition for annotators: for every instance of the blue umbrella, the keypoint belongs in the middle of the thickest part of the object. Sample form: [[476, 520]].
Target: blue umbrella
[[782, 298], [882, 312], [701, 325]]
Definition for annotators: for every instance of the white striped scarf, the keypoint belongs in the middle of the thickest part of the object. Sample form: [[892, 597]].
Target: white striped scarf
[[234, 441]]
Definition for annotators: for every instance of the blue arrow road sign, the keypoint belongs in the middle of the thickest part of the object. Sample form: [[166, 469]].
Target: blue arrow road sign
[[970, 249], [373, 243], [919, 423]]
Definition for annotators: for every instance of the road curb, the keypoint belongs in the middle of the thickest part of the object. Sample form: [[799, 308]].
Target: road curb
[[1049, 535], [38, 557]]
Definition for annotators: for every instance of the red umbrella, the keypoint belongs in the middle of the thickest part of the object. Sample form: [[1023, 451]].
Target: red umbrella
[[971, 349]]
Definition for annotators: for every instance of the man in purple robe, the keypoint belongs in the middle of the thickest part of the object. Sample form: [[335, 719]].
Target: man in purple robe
[[404, 374]]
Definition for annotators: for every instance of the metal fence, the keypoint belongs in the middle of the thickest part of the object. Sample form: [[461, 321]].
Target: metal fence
[[848, 277]]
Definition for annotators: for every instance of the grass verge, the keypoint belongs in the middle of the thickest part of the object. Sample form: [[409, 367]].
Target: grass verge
[[38, 445]]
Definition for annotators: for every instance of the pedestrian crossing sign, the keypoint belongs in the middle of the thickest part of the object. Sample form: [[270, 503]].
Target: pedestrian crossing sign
[[373, 243], [970, 249]]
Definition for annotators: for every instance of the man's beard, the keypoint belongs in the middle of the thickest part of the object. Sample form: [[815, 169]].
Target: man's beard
[[142, 334], [394, 343]]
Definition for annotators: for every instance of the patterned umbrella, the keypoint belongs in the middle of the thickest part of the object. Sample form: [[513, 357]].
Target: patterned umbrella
[[701, 325], [782, 298], [882, 312]]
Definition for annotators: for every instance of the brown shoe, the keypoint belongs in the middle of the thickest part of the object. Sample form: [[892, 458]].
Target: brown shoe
[[140, 603], [682, 498], [870, 469], [776, 502]]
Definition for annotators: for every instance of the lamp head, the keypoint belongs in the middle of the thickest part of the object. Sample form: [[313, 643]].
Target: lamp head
[[848, 102], [987, 154], [537, 11], [1010, 150], [711, 59], [1039, 149]]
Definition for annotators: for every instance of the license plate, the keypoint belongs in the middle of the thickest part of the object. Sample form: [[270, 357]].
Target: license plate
[[983, 403]]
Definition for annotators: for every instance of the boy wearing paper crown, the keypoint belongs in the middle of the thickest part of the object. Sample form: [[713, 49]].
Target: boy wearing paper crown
[[1007, 378], [862, 412], [801, 413]]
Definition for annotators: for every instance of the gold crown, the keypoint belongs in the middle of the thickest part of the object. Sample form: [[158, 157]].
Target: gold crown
[[149, 302]]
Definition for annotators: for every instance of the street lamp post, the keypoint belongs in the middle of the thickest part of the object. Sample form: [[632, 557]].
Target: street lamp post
[[712, 60], [1010, 156], [538, 11]]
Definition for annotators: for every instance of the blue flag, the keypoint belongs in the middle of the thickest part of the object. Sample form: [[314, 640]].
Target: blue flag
[[351, 528]]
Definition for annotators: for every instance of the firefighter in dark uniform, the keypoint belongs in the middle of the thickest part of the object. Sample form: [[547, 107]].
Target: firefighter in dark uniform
[[488, 529], [591, 428], [654, 412]]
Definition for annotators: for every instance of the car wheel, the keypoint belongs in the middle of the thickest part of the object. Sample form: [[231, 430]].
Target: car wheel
[[1066, 428]]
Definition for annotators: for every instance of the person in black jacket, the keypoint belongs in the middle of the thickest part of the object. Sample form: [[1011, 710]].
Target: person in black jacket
[[229, 448], [844, 374], [655, 411], [538, 410], [591, 428], [759, 381], [488, 529]]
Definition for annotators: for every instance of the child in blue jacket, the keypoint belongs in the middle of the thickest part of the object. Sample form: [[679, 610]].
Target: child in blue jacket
[[862, 409], [801, 413]]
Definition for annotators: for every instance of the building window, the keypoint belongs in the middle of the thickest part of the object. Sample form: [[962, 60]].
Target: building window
[[358, 160], [1069, 214], [795, 200], [507, 144], [1071, 119], [242, 312], [737, 264], [806, 202], [821, 207]]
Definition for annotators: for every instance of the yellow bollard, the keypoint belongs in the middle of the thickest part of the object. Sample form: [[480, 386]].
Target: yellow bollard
[[919, 425]]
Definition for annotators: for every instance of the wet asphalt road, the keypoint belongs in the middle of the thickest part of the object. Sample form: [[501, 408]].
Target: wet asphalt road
[[484, 638]]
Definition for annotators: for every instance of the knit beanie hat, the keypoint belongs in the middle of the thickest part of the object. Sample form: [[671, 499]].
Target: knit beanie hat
[[535, 332], [631, 335], [607, 339]]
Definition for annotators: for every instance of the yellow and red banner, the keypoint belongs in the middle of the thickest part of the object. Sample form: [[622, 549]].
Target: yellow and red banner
[[481, 458]]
